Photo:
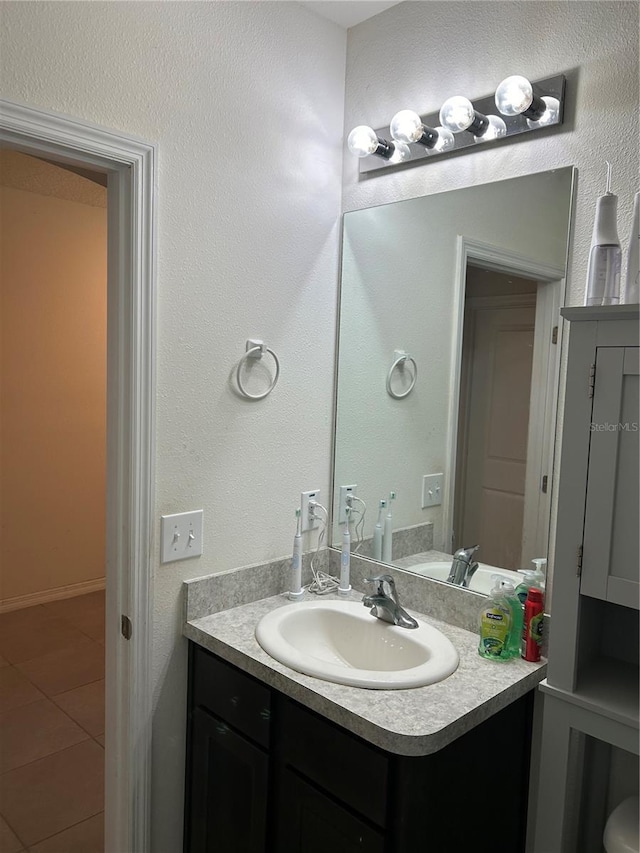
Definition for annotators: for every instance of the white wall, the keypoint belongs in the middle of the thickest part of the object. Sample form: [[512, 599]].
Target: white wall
[[245, 101]]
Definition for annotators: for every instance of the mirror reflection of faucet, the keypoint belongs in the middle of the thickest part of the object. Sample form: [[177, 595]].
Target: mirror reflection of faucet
[[387, 606], [463, 566]]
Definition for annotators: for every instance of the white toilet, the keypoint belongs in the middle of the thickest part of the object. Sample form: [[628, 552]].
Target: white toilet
[[621, 831]]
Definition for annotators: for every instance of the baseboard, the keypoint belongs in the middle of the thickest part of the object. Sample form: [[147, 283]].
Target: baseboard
[[48, 595]]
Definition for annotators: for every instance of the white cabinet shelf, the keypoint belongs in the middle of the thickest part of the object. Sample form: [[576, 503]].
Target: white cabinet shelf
[[610, 688]]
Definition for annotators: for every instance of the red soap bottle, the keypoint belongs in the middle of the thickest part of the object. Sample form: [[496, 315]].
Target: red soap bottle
[[532, 625]]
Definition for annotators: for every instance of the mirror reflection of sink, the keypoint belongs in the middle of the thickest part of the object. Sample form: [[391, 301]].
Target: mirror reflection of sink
[[341, 641], [482, 580]]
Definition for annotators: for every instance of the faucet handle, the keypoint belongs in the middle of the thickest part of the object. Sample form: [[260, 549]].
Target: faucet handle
[[381, 580], [466, 553]]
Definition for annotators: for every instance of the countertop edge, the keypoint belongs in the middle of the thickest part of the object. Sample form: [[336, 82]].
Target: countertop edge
[[394, 742]]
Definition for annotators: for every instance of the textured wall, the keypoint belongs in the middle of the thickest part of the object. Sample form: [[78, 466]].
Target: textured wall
[[245, 101]]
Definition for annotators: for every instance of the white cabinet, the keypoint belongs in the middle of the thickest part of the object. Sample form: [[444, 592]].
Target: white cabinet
[[591, 693]]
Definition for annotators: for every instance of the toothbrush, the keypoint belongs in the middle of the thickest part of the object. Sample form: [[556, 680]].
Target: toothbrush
[[377, 533], [345, 559], [296, 592], [387, 540]]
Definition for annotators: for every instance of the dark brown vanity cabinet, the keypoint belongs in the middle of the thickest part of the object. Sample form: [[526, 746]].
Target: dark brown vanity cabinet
[[266, 775]]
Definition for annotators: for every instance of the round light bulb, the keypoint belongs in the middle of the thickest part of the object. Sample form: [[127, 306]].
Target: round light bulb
[[406, 126], [496, 130], [514, 95], [457, 114], [445, 141], [401, 153], [362, 140], [550, 115]]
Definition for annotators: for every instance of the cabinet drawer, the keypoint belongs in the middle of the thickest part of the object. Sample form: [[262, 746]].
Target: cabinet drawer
[[337, 761], [232, 695]]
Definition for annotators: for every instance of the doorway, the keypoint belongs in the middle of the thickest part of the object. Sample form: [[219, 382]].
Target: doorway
[[129, 166], [511, 304], [53, 291], [494, 414]]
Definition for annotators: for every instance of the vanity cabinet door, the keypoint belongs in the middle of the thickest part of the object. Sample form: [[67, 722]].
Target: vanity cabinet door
[[610, 556], [227, 808], [311, 822]]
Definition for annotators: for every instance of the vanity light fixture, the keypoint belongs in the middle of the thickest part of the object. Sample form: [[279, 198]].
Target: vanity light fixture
[[524, 107]]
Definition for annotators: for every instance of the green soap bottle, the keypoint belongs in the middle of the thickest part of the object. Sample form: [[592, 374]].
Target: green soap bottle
[[496, 622], [532, 577], [517, 615]]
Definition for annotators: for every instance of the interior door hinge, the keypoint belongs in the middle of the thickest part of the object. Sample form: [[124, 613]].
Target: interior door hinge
[[579, 561], [554, 335], [592, 379], [545, 484], [126, 627]]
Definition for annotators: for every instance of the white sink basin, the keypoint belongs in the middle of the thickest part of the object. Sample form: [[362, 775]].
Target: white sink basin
[[341, 641], [482, 580]]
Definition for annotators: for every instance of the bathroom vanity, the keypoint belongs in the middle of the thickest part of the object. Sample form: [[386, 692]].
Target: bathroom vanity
[[280, 761]]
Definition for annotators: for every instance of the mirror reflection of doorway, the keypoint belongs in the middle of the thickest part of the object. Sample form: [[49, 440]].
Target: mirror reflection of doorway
[[494, 415]]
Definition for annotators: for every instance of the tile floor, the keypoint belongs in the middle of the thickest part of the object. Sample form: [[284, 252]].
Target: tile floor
[[52, 727]]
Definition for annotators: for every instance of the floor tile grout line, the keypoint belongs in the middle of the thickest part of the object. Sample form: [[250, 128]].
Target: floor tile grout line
[[60, 831], [51, 754], [5, 819], [42, 697], [46, 695], [90, 735]]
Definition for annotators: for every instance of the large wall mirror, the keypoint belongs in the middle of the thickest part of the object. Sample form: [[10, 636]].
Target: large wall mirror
[[447, 376]]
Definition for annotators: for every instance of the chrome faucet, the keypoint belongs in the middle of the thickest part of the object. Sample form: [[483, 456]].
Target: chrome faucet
[[387, 607], [463, 566]]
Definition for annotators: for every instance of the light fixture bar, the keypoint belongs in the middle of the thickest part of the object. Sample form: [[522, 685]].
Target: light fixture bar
[[517, 125]]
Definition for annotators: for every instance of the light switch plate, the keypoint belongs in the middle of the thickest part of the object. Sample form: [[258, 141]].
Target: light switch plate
[[181, 536], [432, 486]]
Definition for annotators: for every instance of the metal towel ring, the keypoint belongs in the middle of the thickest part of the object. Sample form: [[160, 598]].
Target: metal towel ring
[[256, 349], [401, 358]]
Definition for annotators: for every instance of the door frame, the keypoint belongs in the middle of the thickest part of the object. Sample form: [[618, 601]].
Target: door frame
[[545, 374], [130, 166]]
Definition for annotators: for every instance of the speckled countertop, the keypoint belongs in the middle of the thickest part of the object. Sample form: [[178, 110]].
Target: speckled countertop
[[418, 721]]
